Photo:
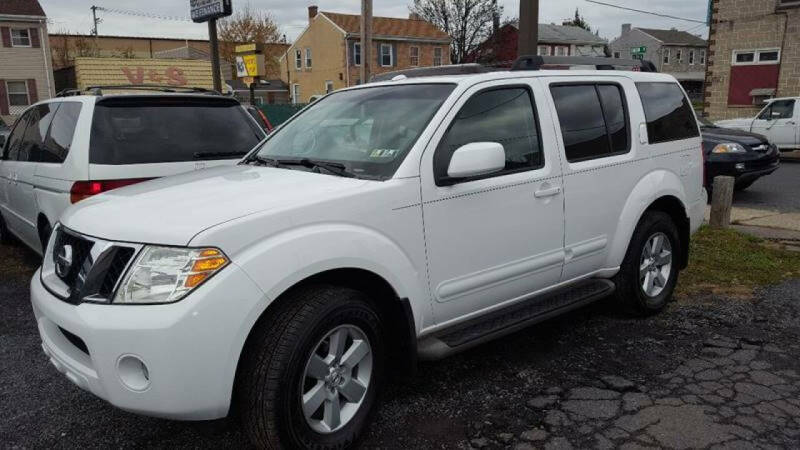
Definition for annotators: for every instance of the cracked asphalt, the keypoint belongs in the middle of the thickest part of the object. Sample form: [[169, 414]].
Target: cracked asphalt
[[709, 372]]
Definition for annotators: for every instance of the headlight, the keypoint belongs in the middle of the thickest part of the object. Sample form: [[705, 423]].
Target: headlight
[[167, 274], [729, 148]]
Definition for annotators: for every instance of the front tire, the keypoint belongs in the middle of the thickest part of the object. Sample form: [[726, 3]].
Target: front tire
[[649, 272], [312, 370]]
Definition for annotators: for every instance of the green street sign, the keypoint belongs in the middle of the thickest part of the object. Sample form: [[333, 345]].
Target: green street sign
[[637, 50]]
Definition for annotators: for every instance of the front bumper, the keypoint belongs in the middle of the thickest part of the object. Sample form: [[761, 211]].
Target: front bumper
[[190, 348], [753, 168]]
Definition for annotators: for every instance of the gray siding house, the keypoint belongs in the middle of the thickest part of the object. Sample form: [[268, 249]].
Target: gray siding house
[[677, 53], [26, 75]]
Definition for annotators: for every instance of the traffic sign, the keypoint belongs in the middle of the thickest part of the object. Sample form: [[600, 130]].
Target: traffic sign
[[638, 50], [205, 10]]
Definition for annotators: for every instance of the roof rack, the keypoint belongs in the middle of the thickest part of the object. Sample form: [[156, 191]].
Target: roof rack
[[532, 62], [453, 69], [98, 90]]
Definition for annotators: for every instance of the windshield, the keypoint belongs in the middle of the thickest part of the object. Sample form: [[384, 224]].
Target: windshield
[[166, 130], [368, 131]]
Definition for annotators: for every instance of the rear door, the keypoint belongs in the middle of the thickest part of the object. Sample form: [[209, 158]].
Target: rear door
[[778, 123], [155, 136], [8, 175]]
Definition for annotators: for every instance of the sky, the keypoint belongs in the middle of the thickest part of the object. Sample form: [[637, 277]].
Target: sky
[[74, 16]]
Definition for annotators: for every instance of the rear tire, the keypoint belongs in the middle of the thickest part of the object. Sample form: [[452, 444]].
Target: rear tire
[[289, 364], [649, 272]]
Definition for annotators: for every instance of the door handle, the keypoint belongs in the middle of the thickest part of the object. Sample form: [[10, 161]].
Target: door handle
[[547, 192]]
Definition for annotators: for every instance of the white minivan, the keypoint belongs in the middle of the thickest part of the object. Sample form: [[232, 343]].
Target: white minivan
[[66, 149]]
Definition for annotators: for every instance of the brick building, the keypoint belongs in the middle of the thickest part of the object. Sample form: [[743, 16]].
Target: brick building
[[25, 72], [754, 54], [500, 49], [327, 54]]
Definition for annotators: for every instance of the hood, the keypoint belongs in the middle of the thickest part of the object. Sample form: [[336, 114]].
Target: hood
[[170, 211], [742, 122], [719, 135]]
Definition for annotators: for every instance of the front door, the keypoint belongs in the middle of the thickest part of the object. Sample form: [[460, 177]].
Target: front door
[[9, 169], [499, 237], [778, 123]]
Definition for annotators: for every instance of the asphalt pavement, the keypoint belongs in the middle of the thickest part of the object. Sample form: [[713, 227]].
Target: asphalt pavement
[[709, 372], [778, 191]]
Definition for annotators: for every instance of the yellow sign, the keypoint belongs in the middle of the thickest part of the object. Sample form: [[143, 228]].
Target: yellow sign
[[250, 66], [245, 48]]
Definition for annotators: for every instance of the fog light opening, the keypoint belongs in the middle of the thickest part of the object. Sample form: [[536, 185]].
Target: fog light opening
[[133, 373], [740, 166]]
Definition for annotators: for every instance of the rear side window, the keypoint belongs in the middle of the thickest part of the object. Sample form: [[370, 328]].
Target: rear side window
[[15, 138], [165, 130], [593, 118], [668, 112], [62, 129], [505, 116], [39, 120]]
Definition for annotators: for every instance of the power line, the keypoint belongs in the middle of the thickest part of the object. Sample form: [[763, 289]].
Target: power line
[[130, 12], [647, 12]]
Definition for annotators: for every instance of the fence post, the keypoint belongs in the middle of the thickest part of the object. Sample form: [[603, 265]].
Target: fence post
[[721, 200]]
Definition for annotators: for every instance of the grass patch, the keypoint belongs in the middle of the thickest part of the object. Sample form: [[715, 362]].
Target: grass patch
[[732, 263]]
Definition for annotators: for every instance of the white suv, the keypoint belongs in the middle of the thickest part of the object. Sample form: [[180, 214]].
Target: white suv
[[66, 149], [384, 223]]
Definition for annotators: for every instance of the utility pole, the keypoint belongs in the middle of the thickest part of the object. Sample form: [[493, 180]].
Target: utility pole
[[528, 28], [212, 37], [95, 20], [366, 39]]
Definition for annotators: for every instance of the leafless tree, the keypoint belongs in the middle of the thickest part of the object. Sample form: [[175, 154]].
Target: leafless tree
[[248, 25], [468, 22]]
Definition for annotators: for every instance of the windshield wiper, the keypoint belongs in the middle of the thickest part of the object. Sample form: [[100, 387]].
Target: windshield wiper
[[262, 160], [212, 155], [332, 167]]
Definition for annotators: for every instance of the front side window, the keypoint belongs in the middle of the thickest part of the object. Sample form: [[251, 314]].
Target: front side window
[[298, 59], [780, 109], [369, 130], [308, 58], [668, 112], [505, 116], [414, 56], [593, 120], [62, 129], [20, 37], [165, 130], [17, 93], [386, 55], [357, 53], [437, 56]]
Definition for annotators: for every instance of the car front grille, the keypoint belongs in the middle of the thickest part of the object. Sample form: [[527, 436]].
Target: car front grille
[[85, 269]]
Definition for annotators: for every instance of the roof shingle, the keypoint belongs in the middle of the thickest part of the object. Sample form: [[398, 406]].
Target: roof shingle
[[674, 37], [388, 26], [565, 34], [21, 8]]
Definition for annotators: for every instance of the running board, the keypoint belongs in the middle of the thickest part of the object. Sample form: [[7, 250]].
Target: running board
[[508, 320]]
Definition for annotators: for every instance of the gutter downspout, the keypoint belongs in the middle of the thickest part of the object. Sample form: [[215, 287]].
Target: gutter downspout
[[45, 45], [346, 61]]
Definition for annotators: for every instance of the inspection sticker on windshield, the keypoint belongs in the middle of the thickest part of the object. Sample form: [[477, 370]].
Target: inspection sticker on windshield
[[383, 153]]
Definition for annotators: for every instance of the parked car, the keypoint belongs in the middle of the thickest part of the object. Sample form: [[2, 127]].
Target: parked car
[[67, 149], [384, 223], [740, 154], [260, 118], [779, 121]]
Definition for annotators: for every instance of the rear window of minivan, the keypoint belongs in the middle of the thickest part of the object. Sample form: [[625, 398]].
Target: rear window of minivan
[[138, 130]]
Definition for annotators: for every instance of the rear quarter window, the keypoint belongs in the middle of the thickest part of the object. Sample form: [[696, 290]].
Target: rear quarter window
[[668, 112], [166, 130]]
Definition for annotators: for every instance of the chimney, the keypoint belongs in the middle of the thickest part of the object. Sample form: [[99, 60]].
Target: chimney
[[312, 12], [414, 16], [626, 28]]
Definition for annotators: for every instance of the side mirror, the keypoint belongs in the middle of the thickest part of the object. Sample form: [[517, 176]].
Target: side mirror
[[476, 159]]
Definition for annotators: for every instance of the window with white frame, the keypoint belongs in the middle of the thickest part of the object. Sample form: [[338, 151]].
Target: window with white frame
[[298, 59], [438, 56], [308, 58], [562, 50], [414, 56], [17, 93], [543, 50], [357, 53], [666, 56], [679, 56], [328, 86], [691, 57], [755, 57], [20, 37], [387, 59], [702, 57]]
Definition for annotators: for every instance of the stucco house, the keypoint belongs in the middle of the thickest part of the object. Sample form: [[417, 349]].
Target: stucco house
[[327, 54], [25, 72], [500, 49], [678, 53]]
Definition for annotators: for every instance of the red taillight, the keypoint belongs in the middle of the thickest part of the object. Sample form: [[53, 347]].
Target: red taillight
[[82, 190], [264, 118]]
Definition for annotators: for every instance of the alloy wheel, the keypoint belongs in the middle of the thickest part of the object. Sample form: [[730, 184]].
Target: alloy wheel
[[656, 264], [336, 379]]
